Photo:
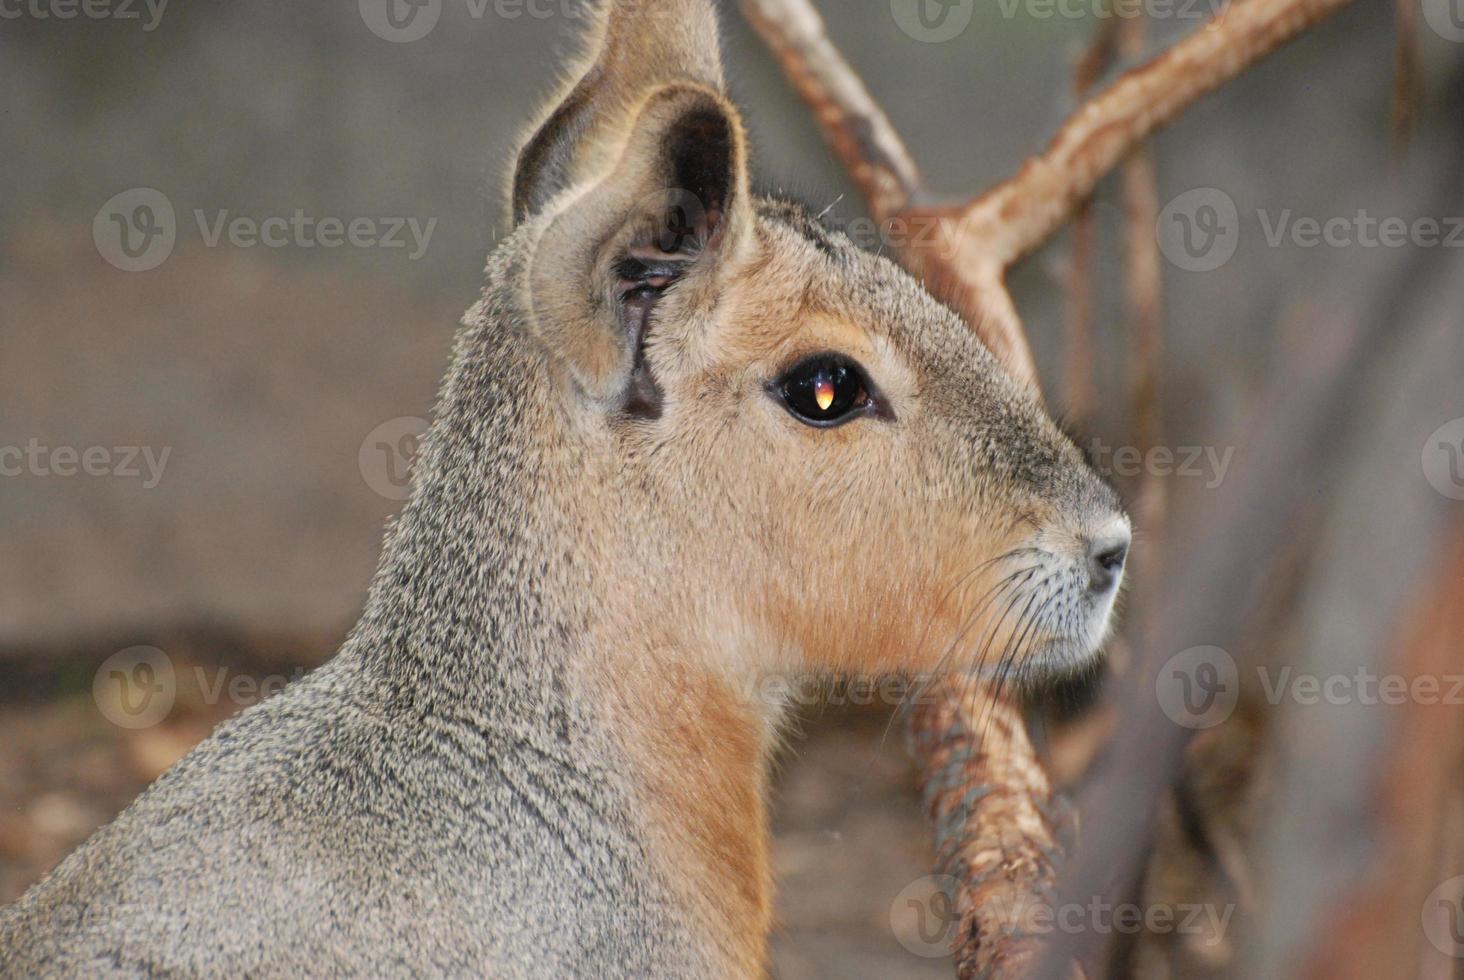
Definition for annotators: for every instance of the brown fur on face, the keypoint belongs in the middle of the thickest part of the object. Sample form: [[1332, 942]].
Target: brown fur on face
[[866, 547], [543, 749], [725, 540]]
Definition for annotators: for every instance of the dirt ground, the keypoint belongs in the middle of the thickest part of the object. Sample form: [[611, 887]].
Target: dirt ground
[[850, 846]]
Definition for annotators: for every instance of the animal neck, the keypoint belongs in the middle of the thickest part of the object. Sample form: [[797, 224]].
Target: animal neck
[[496, 602], [698, 745]]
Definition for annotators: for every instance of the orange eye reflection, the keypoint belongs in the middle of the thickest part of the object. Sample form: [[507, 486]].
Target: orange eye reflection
[[823, 391]]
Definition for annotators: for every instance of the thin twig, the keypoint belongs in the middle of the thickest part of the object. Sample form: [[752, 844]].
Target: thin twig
[[1080, 308], [1406, 82], [964, 260], [1019, 214], [1079, 311], [852, 122], [965, 254], [1142, 290]]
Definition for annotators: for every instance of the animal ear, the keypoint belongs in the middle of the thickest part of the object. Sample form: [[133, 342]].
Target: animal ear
[[635, 47], [658, 231], [637, 179]]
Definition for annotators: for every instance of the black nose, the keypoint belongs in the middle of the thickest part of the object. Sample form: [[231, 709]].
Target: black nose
[[1105, 561]]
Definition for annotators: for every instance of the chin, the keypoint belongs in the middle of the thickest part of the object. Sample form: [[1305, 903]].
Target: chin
[[1056, 661]]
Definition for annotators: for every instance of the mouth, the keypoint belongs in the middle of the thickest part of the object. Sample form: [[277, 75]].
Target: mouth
[[1049, 614]]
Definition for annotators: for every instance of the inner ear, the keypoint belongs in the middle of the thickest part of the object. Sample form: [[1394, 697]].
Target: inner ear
[[699, 148], [686, 223], [639, 285], [661, 229]]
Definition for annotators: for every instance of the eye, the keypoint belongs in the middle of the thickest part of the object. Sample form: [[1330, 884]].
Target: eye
[[825, 390]]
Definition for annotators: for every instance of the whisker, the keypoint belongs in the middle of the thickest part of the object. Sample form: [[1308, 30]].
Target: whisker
[[992, 595]]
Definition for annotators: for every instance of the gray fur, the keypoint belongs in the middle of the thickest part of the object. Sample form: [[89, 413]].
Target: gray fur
[[432, 801], [479, 783]]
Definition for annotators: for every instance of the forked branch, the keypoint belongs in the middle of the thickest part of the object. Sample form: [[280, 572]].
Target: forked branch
[[974, 244], [974, 748], [854, 124]]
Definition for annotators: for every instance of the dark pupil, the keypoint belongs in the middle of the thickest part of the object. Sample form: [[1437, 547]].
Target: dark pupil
[[823, 390]]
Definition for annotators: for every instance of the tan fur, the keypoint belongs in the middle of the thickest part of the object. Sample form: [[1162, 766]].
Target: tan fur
[[544, 749], [743, 543]]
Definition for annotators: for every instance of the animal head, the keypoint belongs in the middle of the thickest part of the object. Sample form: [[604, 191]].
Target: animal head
[[800, 458]]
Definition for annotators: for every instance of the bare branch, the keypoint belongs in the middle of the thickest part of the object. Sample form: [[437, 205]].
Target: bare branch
[[965, 260], [1079, 310], [1142, 289], [989, 795], [852, 122], [1372, 928], [1406, 82], [1003, 843], [1018, 215]]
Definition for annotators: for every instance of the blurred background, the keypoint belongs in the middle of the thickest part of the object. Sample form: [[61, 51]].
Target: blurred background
[[205, 421]]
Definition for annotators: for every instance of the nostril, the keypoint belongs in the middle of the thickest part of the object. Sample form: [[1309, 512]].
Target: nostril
[[1105, 562], [1112, 558]]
